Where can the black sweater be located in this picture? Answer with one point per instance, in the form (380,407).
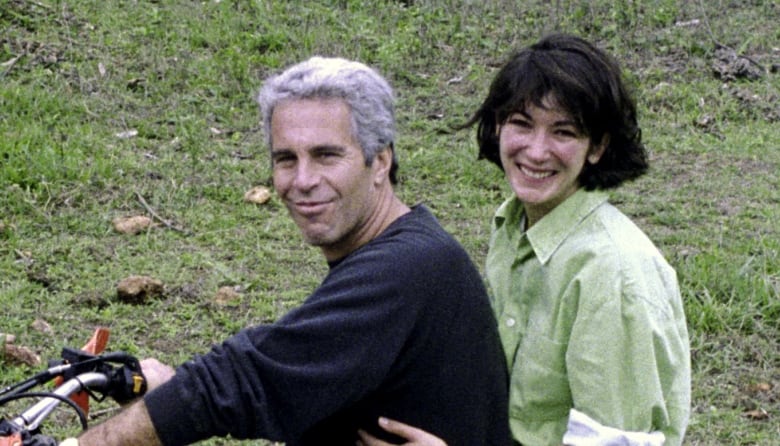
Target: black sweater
(401,328)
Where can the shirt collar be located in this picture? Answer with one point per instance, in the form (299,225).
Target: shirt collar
(554,228)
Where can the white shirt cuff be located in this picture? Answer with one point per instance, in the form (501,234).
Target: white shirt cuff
(583,430)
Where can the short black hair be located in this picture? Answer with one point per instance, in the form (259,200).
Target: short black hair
(587,83)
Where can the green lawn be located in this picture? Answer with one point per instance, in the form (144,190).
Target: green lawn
(119,108)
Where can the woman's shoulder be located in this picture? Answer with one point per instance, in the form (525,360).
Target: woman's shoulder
(611,231)
(609,243)
(621,251)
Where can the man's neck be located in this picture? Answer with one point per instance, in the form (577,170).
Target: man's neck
(387,210)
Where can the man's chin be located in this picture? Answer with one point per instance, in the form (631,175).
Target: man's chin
(317,238)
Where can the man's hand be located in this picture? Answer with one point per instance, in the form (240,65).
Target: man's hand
(156,373)
(413,436)
(132,426)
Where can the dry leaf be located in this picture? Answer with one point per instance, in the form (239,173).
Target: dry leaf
(127,134)
(687,23)
(226,295)
(7,338)
(139,289)
(135,83)
(760,387)
(257,195)
(132,225)
(42,326)
(22,255)
(101,69)
(758,414)
(21,355)
(704,121)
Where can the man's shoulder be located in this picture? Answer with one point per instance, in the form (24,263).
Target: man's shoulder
(415,237)
(414,251)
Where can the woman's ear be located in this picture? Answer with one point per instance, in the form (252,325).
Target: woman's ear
(597,150)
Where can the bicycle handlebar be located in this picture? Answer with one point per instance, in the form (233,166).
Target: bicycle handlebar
(34,416)
(79,375)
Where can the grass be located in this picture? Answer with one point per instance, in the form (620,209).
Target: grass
(78,75)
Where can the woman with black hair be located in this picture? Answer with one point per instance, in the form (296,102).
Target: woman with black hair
(589,311)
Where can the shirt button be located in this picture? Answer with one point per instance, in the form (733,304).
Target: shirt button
(510,322)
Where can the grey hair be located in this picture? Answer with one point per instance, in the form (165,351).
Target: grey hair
(368,95)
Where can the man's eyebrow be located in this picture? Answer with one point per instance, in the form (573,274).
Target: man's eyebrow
(279,151)
(328,147)
(317,148)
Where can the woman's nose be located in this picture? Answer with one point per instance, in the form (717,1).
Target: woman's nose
(537,146)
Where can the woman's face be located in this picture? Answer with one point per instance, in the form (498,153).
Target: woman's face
(543,151)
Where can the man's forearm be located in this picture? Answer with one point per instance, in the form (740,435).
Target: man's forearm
(131,427)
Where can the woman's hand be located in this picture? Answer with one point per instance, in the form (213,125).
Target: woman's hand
(412,435)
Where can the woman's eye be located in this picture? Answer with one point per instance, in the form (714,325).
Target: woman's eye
(569,133)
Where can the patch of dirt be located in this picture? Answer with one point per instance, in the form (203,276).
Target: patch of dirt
(728,66)
(92,299)
(700,170)
(21,51)
(187,292)
(752,381)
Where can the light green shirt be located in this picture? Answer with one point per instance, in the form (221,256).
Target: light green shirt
(590,317)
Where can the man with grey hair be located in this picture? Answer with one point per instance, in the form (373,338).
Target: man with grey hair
(400,326)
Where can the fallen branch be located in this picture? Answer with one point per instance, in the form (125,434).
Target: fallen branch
(154,214)
(99,413)
(39,4)
(719,44)
(9,64)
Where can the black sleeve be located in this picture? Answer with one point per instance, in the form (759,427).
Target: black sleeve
(276,381)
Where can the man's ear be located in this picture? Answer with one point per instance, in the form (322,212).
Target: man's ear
(597,150)
(383,161)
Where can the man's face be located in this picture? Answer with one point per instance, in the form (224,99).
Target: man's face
(320,173)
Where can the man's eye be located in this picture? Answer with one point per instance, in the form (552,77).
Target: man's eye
(328,154)
(282,159)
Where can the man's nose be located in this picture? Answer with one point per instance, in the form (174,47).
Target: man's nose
(306,176)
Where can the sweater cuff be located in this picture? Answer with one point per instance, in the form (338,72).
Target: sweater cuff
(172,416)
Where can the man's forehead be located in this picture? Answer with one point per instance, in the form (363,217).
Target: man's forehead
(323,101)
